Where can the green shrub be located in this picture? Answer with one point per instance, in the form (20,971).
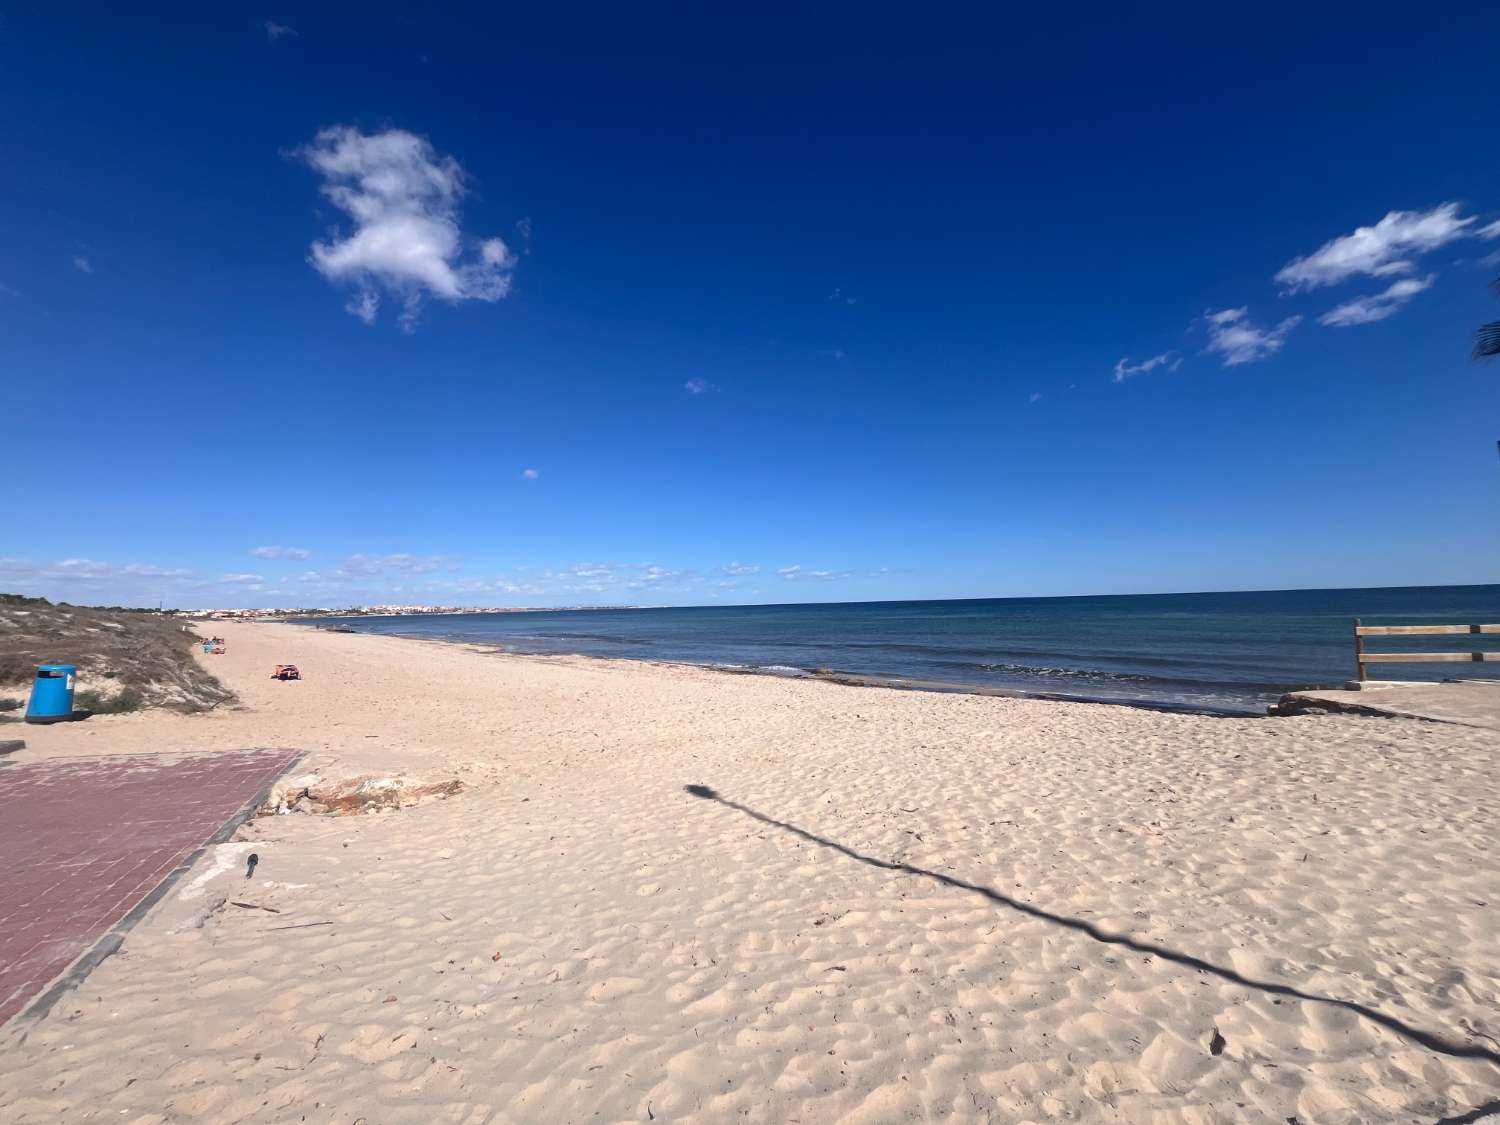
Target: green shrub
(127,701)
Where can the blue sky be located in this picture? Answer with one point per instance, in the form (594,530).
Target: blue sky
(671,305)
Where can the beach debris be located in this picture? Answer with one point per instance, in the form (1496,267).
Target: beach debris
(11,745)
(1217,1043)
(390,999)
(495,956)
(255,906)
(250,865)
(298,926)
(350,796)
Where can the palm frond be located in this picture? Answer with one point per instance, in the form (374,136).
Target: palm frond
(1487,340)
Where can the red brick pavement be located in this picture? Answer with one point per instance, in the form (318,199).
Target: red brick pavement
(84,841)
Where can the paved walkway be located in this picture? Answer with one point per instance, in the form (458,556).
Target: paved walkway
(1469,703)
(87,845)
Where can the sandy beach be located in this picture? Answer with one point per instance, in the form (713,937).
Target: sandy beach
(671,894)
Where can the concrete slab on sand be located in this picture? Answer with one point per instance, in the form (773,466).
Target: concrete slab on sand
(90,844)
(1469,703)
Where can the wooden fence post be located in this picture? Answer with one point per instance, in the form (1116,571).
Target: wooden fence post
(1359,653)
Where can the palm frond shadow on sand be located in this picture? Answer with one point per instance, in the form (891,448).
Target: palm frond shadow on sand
(1427,1039)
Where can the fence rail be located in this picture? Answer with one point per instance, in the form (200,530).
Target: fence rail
(1362,658)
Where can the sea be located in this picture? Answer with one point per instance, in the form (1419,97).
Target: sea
(1224,653)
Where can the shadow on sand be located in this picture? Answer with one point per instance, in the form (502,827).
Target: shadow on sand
(1187,960)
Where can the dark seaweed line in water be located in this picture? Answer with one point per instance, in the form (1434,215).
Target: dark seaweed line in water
(984,657)
(1128,678)
(1170,706)
(993,660)
(1019,649)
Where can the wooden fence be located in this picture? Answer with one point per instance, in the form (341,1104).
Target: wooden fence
(1362,658)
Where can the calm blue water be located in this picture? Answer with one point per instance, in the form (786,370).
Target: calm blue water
(1235,651)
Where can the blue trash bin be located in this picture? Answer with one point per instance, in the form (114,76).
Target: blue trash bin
(52,694)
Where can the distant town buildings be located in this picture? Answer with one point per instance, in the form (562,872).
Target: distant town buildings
(360,611)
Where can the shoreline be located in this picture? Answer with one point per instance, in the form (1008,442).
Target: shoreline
(847,679)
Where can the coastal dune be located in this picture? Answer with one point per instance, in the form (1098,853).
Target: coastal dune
(667,893)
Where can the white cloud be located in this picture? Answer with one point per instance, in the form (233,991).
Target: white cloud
(696,386)
(279,552)
(146,570)
(828,575)
(651,576)
(1125,369)
(531,474)
(590,570)
(82,264)
(364,566)
(1378,306)
(1379,251)
(1238,341)
(404,199)
(364,304)
(83,568)
(275,31)
(242,579)
(790,572)
(94,582)
(1491,231)
(1036,396)
(90,569)
(740,568)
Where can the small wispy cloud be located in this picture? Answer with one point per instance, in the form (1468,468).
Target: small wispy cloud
(1232,335)
(834,353)
(242,579)
(275,31)
(696,386)
(82,264)
(404,197)
(650,576)
(1386,248)
(795,571)
(1124,369)
(1036,396)
(367,565)
(94,568)
(531,474)
(89,570)
(739,568)
(1378,306)
(277,551)
(1490,231)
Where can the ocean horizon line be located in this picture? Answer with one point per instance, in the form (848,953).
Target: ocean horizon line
(625,607)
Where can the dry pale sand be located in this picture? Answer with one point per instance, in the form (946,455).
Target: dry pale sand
(902,907)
